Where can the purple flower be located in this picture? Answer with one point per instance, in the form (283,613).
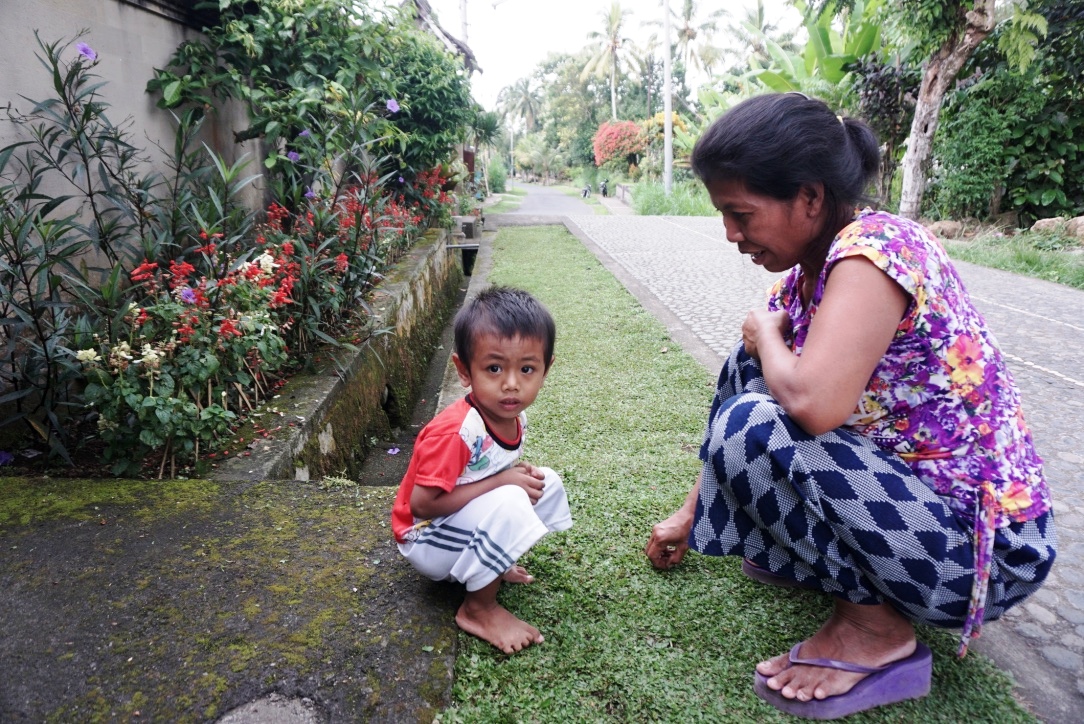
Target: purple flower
(309,193)
(188,295)
(304,134)
(86,51)
(293,156)
(393,106)
(393,451)
(6,458)
(402,180)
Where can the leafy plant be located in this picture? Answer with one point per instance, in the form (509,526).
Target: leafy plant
(63,249)
(620,141)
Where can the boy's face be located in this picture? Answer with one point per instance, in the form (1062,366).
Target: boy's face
(505,375)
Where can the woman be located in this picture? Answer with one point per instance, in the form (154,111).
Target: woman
(866,437)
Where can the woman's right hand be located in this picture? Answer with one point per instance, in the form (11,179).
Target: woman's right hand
(669,541)
(759,323)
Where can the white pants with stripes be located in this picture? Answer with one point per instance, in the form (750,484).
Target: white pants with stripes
(485,538)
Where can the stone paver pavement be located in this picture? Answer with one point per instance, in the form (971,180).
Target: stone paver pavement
(685,273)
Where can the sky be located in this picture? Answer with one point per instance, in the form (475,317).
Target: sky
(510,37)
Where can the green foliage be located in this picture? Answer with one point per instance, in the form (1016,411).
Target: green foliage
(74,206)
(434,92)
(572,107)
(1012,141)
(822,67)
(169,352)
(688,198)
(1052,256)
(970,147)
(1021,38)
(332,65)
(285,59)
(498,177)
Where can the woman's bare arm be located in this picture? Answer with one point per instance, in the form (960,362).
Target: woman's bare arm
(854,325)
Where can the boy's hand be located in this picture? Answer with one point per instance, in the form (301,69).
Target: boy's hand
(531,470)
(527,477)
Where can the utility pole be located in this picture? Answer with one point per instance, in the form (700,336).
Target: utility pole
(463,15)
(667,105)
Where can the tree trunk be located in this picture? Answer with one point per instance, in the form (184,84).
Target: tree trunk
(613,89)
(940,73)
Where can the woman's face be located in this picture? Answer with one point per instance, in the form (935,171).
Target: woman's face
(775,234)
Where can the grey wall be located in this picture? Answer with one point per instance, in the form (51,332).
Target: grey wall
(131,39)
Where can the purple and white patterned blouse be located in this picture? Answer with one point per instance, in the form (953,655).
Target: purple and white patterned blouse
(942,397)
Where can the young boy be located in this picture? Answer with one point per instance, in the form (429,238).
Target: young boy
(467,508)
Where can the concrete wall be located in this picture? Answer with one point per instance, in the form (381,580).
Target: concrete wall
(131,39)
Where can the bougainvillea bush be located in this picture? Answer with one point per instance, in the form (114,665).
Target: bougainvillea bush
(619,141)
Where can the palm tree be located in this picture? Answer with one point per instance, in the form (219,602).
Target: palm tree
(692,37)
(611,51)
(521,100)
(749,35)
(485,132)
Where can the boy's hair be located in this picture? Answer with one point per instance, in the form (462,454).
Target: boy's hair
(505,312)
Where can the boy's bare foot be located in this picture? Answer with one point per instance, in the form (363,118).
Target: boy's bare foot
(867,635)
(518,574)
(494,623)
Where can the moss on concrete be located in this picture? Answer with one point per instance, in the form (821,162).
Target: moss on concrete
(182,609)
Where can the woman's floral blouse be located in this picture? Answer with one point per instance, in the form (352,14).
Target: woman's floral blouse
(942,397)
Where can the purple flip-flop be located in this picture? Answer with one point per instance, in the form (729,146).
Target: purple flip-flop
(907,678)
(763,575)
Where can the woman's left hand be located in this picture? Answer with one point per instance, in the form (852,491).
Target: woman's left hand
(759,323)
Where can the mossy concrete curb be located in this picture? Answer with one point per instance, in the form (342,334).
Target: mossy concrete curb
(327,420)
(188,600)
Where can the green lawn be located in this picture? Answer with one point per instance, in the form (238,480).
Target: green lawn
(509,201)
(620,418)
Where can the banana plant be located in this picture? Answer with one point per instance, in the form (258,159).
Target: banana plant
(832,46)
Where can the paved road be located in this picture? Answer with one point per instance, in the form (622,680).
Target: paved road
(685,273)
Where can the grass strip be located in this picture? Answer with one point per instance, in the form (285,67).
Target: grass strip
(509,202)
(1024,254)
(621,419)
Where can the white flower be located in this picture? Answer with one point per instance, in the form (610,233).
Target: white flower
(266,262)
(88,355)
(151,356)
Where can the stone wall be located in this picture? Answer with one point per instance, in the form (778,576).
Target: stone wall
(327,418)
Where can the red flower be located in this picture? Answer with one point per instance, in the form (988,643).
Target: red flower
(288,249)
(228,328)
(179,272)
(144,271)
(280,298)
(341,263)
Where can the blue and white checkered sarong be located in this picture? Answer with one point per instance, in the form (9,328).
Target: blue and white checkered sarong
(836,512)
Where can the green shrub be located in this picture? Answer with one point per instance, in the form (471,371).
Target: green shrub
(688,198)
(498,177)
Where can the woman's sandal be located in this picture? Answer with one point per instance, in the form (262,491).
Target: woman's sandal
(763,575)
(908,678)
